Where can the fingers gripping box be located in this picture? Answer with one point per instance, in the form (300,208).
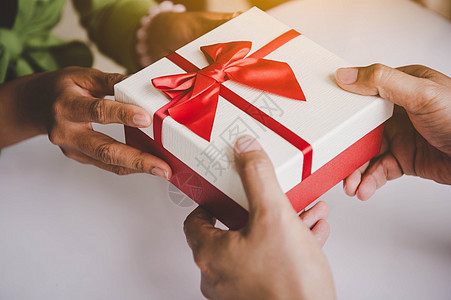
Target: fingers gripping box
(255,76)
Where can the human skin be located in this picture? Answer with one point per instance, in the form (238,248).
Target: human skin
(64,104)
(170,31)
(417,139)
(275,256)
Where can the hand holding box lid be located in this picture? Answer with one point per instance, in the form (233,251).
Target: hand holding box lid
(334,132)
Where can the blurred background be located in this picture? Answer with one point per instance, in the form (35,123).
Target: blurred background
(69,231)
(70,28)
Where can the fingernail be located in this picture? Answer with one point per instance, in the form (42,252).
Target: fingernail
(160,173)
(246,143)
(347,75)
(142,120)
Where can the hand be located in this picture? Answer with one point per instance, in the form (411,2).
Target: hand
(170,31)
(63,104)
(417,140)
(194,5)
(275,256)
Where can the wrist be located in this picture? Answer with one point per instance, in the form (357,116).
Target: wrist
(16,118)
(143,57)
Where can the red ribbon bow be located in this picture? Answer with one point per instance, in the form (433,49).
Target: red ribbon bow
(195,95)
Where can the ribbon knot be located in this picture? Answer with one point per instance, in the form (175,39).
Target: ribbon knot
(215,71)
(195,95)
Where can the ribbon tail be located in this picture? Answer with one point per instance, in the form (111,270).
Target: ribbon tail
(198,114)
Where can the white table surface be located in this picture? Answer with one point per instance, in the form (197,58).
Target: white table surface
(69,231)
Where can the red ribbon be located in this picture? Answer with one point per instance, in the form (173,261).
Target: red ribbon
(194,96)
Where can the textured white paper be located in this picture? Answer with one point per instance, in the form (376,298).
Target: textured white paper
(330,120)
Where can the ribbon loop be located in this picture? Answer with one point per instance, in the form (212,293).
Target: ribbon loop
(226,53)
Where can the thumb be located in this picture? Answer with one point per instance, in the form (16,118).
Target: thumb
(402,89)
(199,228)
(259,180)
(103,83)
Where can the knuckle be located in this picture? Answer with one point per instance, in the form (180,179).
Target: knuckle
(138,164)
(104,153)
(431,91)
(422,68)
(428,92)
(56,137)
(270,220)
(256,165)
(378,73)
(201,261)
(196,245)
(122,114)
(424,72)
(205,290)
(210,282)
(68,154)
(58,108)
(58,112)
(324,207)
(65,152)
(98,111)
(119,171)
(112,78)
(72,69)
(264,217)
(67,73)
(186,225)
(108,79)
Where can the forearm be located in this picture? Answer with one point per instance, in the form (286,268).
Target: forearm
(15,124)
(112,25)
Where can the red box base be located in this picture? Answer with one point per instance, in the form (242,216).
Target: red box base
(232,214)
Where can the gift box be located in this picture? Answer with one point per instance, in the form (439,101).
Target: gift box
(255,76)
